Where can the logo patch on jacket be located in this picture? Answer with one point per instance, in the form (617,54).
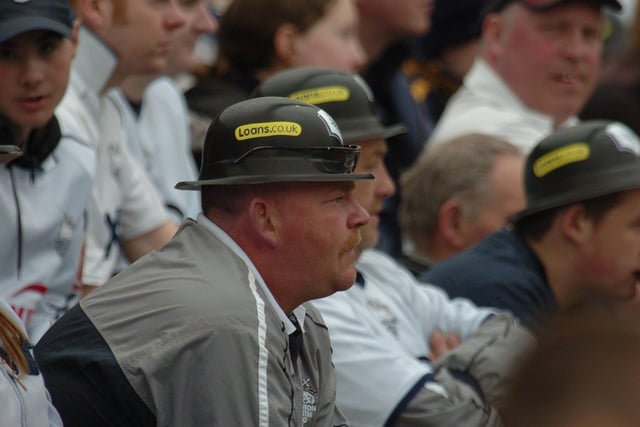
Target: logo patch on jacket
(308,401)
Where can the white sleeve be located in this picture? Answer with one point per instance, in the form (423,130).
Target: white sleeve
(142,207)
(438,311)
(430,306)
(124,203)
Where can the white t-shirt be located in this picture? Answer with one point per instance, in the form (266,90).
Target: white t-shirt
(380,334)
(125,204)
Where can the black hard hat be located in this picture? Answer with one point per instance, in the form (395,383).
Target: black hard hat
(592,159)
(345,96)
(274,139)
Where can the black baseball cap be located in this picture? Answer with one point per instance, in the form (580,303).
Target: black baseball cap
(20,16)
(543,5)
(274,139)
(592,159)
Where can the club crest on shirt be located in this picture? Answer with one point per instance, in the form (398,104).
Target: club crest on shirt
(114,163)
(65,236)
(385,315)
(309,400)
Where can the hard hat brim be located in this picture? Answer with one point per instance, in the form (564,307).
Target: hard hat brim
(266,179)
(622,179)
(352,136)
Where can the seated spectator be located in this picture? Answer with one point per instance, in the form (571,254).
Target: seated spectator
(618,91)
(45,194)
(387,330)
(386,29)
(576,240)
(24,401)
(156,115)
(213,329)
(582,372)
(537,66)
(126,215)
(443,56)
(457,194)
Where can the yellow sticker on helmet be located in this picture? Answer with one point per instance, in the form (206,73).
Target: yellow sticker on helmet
(561,157)
(320,95)
(267,129)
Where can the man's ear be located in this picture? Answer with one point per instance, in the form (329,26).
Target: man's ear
(492,27)
(265,220)
(284,43)
(74,35)
(450,223)
(576,226)
(92,13)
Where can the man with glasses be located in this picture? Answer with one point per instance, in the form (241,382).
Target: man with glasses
(214,329)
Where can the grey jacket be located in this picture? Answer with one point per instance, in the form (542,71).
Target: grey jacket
(189,337)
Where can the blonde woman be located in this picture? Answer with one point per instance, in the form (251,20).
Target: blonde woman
(23,397)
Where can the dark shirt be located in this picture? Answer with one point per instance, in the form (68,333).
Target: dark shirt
(395,104)
(502,271)
(619,101)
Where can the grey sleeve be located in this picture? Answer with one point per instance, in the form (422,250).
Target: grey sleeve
(201,375)
(470,381)
(447,402)
(489,356)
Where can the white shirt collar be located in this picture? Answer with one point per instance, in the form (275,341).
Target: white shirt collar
(488,84)
(94,61)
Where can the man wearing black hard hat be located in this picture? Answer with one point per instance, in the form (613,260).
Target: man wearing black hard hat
(578,239)
(213,329)
(382,328)
(537,65)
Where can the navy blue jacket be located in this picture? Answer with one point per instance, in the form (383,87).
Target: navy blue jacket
(502,271)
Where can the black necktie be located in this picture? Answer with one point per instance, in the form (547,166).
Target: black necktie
(295,339)
(359,279)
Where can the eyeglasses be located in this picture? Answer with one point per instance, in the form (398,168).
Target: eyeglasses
(331,159)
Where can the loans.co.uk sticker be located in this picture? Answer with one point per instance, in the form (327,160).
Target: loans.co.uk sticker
(321,95)
(267,129)
(561,157)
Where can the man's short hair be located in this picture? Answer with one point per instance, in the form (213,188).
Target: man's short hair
(456,169)
(232,199)
(537,225)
